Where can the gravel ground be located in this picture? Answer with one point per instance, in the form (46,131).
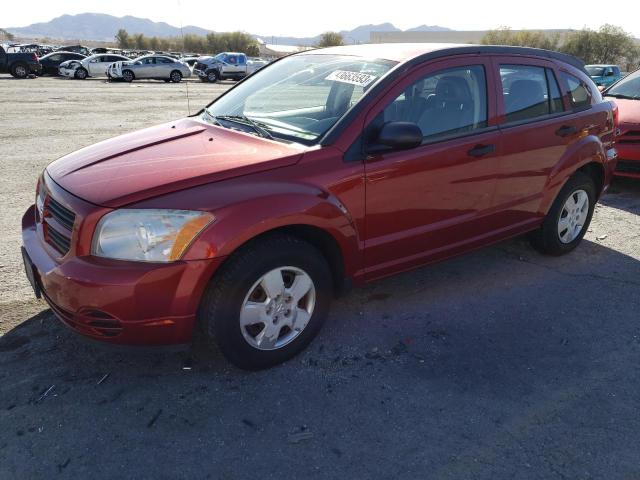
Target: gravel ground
(499,364)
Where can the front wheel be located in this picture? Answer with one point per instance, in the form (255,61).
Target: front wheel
(81,73)
(268,301)
(212,76)
(127,76)
(175,76)
(567,221)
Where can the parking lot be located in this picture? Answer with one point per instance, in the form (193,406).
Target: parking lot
(499,364)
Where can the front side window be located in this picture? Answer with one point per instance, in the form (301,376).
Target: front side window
(299,98)
(578,93)
(448,102)
(529,92)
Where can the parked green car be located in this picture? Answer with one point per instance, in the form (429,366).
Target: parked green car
(604,75)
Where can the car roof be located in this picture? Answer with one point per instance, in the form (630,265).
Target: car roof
(405,52)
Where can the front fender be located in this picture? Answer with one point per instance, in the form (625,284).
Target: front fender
(254,208)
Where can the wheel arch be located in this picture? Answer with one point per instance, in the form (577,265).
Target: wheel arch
(319,221)
(586,156)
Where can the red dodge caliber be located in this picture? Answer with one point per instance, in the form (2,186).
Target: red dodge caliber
(324,170)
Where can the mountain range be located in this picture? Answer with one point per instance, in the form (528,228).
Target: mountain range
(103,27)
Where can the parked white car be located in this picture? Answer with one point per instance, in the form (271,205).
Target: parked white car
(93,66)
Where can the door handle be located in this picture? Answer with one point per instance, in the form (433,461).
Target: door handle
(481,150)
(566,130)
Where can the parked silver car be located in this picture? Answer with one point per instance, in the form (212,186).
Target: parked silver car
(159,67)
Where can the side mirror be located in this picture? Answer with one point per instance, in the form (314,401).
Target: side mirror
(609,73)
(396,136)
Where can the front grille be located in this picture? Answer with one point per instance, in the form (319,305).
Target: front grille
(63,215)
(628,166)
(58,224)
(200,66)
(57,240)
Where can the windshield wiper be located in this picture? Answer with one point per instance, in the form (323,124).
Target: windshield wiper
(243,120)
(621,95)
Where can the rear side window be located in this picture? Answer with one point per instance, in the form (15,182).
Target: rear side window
(529,92)
(578,93)
(448,102)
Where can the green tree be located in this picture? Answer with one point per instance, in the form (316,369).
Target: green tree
(122,39)
(609,44)
(330,39)
(522,38)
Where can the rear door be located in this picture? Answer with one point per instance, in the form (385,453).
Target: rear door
(536,131)
(428,202)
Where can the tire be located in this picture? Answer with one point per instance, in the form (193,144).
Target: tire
(81,73)
(19,70)
(239,281)
(128,76)
(175,76)
(556,238)
(213,76)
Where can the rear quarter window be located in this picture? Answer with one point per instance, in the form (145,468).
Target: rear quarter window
(579,93)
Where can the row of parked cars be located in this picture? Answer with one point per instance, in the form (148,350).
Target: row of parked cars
(74,63)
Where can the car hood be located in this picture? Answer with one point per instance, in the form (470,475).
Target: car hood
(164,159)
(628,110)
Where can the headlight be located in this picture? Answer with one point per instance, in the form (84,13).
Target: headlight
(148,235)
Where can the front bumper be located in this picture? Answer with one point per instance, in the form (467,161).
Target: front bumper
(120,302)
(628,160)
(65,72)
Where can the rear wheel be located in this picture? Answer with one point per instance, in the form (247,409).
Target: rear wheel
(569,217)
(267,302)
(128,76)
(176,76)
(19,70)
(81,73)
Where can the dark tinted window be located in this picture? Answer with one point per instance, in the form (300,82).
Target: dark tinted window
(447,102)
(526,92)
(578,93)
(163,60)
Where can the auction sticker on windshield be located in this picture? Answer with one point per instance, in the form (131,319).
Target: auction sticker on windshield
(354,78)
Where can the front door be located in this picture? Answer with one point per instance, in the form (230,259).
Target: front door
(431,201)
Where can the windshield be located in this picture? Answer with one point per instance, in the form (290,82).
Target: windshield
(628,87)
(595,71)
(301,97)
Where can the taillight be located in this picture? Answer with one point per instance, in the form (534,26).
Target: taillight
(34,57)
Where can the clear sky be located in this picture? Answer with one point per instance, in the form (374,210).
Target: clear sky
(305,18)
